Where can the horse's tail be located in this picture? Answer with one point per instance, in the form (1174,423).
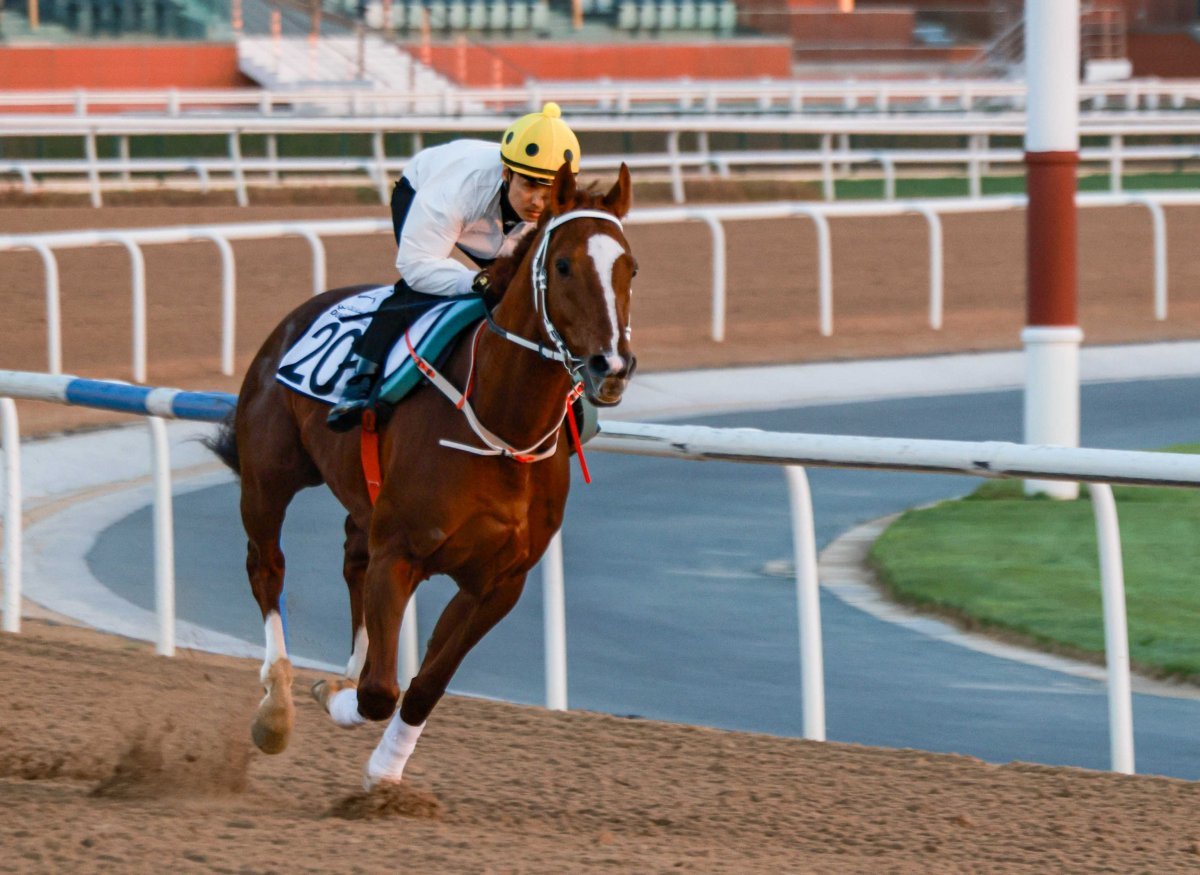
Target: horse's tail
(224,444)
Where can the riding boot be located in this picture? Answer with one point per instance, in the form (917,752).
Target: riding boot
(347,413)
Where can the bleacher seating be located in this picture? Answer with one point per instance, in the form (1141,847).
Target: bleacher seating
(517,17)
(172,19)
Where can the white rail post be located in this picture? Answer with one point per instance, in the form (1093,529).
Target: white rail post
(1159,221)
(235,158)
(1116,631)
(10,443)
(137,264)
(380,165)
(677,192)
(410,650)
(889,176)
(1116,163)
(273,158)
(53,308)
(554,616)
(318,258)
(123,147)
(808,603)
(164,539)
(936,258)
(89,146)
(228,298)
(718,274)
(827,185)
(824,267)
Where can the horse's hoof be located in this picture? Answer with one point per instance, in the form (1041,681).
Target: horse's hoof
(272,726)
(323,690)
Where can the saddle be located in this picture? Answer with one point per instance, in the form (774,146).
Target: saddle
(321,361)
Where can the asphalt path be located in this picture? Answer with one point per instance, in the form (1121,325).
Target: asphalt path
(669,613)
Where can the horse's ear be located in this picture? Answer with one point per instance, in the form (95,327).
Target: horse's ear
(620,196)
(562,190)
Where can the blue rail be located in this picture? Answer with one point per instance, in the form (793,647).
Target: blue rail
(114,395)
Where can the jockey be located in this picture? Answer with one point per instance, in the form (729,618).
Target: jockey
(465,195)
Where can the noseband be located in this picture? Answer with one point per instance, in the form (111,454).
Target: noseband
(493,444)
(541,283)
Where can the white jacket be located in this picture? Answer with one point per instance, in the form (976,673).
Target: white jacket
(457,202)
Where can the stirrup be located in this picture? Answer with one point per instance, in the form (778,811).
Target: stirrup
(347,414)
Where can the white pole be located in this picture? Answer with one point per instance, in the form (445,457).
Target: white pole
(89,145)
(164,538)
(808,601)
(137,266)
(936,258)
(677,192)
(1052,337)
(11,445)
(824,268)
(228,297)
(318,258)
(53,310)
(239,177)
(554,616)
(718,274)
(410,650)
(1159,221)
(1116,633)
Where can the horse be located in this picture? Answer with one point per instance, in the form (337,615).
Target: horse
(474,489)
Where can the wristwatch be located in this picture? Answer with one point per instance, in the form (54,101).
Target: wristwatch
(482,283)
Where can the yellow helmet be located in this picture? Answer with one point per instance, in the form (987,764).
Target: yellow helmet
(537,144)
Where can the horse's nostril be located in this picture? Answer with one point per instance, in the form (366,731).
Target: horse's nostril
(599,365)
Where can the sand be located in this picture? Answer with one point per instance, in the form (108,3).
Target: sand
(113,759)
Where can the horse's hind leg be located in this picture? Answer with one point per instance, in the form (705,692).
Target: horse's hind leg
(354,569)
(265,497)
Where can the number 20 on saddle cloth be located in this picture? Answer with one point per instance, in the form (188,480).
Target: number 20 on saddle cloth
(321,361)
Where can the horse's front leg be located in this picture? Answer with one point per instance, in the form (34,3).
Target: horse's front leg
(464,621)
(389,583)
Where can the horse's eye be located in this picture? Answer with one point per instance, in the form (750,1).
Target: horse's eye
(635,267)
(563,267)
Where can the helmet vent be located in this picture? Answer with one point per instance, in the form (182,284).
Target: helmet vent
(531,149)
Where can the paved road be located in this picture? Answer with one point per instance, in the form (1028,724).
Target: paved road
(670,617)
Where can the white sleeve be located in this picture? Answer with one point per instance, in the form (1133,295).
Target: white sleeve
(431,230)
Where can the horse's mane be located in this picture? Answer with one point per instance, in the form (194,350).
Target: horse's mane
(504,269)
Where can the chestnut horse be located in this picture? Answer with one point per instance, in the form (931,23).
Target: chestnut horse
(476,497)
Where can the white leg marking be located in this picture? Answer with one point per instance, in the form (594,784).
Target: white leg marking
(605,251)
(343,708)
(276,649)
(391,754)
(359,655)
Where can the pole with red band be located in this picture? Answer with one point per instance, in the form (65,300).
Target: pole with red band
(1052,335)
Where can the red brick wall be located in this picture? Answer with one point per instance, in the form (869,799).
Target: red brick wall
(179,65)
(1164,54)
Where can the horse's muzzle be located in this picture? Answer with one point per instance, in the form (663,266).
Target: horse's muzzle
(606,376)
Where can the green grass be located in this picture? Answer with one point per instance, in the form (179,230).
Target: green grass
(950,186)
(1029,567)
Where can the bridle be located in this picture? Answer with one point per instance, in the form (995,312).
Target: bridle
(541,283)
(493,444)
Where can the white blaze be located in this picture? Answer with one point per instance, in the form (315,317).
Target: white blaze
(605,251)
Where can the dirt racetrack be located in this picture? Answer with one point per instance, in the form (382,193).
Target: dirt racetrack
(114,760)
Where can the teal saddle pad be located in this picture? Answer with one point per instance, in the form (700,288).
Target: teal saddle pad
(441,325)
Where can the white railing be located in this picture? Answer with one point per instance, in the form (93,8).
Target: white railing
(235,171)
(1099,468)
(976,157)
(713,217)
(755,95)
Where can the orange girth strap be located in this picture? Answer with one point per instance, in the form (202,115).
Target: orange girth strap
(370,455)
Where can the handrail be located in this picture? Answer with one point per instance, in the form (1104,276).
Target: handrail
(742,96)
(714,216)
(1098,468)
